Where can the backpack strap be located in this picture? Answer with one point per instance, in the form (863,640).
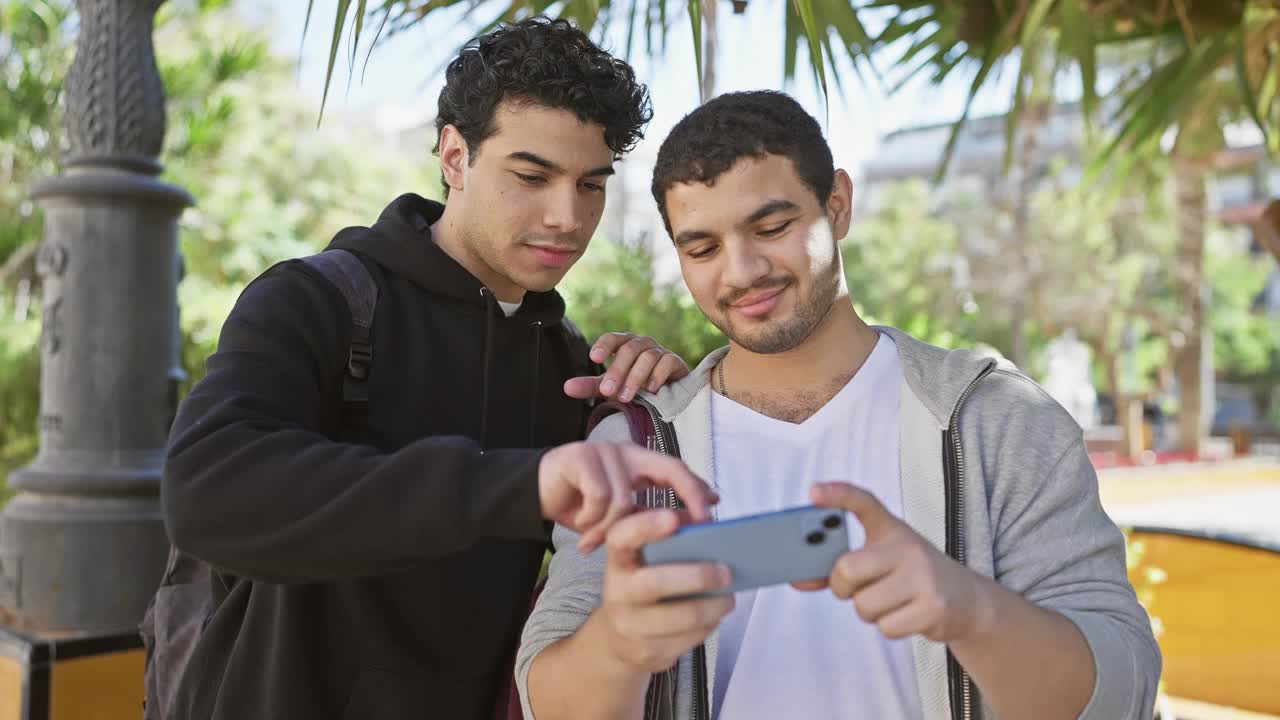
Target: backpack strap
(347,272)
(639,418)
(648,430)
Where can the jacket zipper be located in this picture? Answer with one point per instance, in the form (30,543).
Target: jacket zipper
(664,438)
(959,683)
(700,709)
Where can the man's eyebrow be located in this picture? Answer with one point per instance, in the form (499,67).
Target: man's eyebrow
(768,209)
(538,160)
(762,212)
(535,159)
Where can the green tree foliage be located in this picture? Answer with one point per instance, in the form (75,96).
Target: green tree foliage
(935,262)
(35,52)
(901,267)
(268,184)
(1246,342)
(614,288)
(241,139)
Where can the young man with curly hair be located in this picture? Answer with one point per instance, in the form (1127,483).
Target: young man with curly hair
(378,561)
(984,578)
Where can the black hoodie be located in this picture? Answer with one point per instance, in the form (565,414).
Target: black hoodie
(374,564)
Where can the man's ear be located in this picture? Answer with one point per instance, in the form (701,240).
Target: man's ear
(454,157)
(840,204)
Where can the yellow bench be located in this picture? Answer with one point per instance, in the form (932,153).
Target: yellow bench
(1216,602)
(70,678)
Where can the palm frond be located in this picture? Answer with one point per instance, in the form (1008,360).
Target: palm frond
(814,40)
(1078,40)
(1252,100)
(340,20)
(1160,102)
(1032,32)
(695,23)
(979,79)
(939,36)
(819,22)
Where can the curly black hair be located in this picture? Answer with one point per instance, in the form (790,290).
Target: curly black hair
(549,63)
(709,140)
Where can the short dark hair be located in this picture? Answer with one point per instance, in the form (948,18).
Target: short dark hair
(549,63)
(711,139)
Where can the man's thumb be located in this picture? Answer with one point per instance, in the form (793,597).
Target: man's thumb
(875,518)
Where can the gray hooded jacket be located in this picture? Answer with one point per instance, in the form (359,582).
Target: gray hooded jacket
(1030,515)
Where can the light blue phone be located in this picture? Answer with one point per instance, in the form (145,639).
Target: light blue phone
(789,545)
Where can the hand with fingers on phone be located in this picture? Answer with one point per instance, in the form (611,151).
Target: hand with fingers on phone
(590,486)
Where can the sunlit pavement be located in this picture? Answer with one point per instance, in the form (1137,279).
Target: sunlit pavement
(1234,497)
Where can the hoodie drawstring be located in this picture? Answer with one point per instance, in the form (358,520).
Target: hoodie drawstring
(489,302)
(535,385)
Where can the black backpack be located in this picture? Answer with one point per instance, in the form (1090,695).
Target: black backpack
(183,604)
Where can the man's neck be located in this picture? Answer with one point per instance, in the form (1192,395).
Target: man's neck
(447,233)
(795,384)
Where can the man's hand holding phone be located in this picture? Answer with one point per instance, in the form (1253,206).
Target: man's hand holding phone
(899,580)
(642,631)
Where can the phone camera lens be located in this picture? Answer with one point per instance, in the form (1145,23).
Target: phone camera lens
(831,522)
(816,537)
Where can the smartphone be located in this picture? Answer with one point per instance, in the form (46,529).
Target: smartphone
(800,543)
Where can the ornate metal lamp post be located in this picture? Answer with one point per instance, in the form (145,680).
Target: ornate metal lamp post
(83,545)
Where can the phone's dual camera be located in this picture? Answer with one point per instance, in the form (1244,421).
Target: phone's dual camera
(817,537)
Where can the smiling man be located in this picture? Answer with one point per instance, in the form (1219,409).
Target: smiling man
(984,579)
(377,561)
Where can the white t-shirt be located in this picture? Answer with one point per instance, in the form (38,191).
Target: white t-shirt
(509,309)
(783,653)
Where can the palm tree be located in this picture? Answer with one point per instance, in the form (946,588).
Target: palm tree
(1186,68)
(1180,68)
